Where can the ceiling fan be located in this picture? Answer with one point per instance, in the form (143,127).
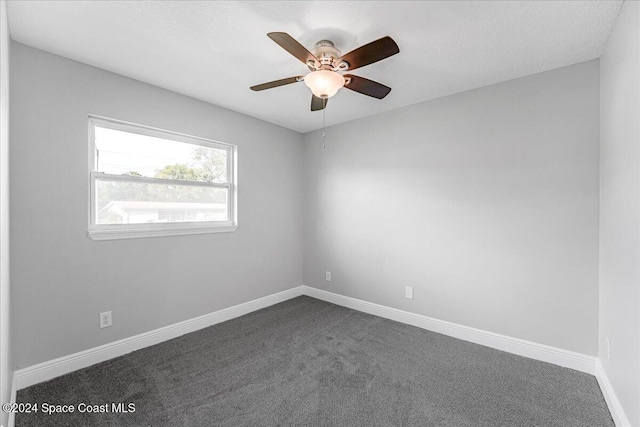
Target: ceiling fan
(326,64)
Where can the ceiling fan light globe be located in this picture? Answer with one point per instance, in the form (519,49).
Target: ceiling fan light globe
(324,83)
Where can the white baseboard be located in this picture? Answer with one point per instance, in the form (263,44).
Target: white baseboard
(545,353)
(14,391)
(617,412)
(54,368)
(51,369)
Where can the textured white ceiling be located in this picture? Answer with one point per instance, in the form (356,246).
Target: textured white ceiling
(214,51)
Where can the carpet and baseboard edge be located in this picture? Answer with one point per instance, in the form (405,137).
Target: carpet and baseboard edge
(63,365)
(615,407)
(568,359)
(557,356)
(51,369)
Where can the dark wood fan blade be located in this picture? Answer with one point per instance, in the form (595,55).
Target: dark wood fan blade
(292,46)
(277,83)
(370,53)
(366,86)
(318,103)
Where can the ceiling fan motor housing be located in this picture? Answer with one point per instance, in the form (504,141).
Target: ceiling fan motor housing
(327,54)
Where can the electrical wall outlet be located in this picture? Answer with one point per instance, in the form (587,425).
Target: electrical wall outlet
(105,319)
(327,276)
(608,347)
(408,292)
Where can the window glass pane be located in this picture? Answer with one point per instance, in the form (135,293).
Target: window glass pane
(123,202)
(125,153)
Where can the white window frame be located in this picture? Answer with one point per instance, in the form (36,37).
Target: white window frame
(128,231)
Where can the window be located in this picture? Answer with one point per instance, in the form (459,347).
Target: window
(149,182)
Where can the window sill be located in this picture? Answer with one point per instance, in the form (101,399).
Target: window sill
(140,232)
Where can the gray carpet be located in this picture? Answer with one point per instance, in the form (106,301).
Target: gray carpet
(306,362)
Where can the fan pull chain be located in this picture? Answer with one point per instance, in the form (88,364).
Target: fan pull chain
(324,121)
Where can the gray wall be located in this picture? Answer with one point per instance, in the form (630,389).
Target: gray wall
(620,209)
(62,279)
(485,202)
(6,371)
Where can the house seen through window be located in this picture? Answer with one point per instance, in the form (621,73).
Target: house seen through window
(160,182)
